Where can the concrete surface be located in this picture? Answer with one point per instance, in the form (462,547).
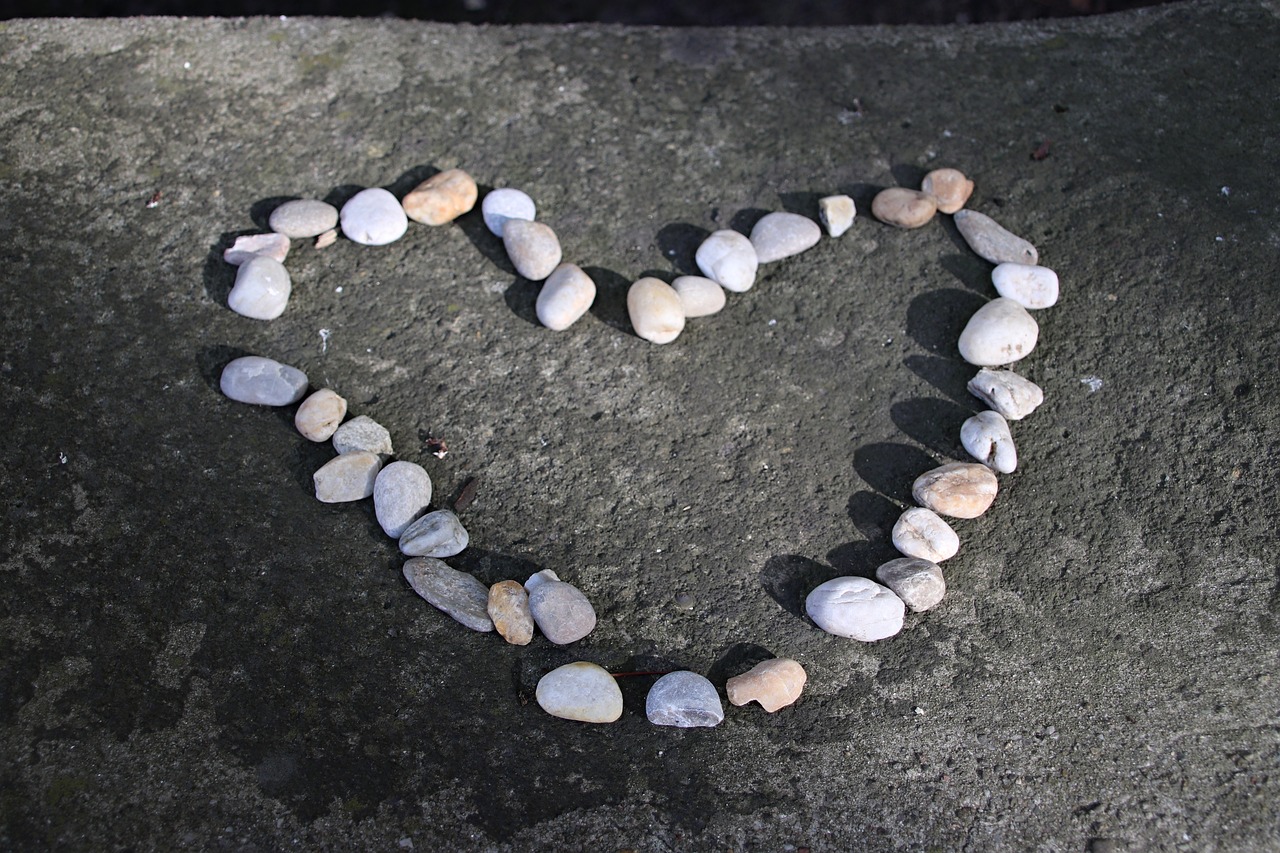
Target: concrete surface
(198,655)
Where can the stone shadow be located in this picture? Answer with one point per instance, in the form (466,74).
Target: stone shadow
(933,422)
(610,305)
(891,468)
(949,375)
(936,319)
(803,203)
(788,578)
(973,272)
(679,242)
(736,660)
(260,210)
(908,175)
(862,195)
(744,220)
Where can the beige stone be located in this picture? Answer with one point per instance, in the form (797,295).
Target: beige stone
(441,198)
(566,296)
(327,239)
(320,414)
(774,684)
(509,610)
(699,296)
(533,248)
(348,477)
(657,313)
(948,187)
(903,208)
(958,490)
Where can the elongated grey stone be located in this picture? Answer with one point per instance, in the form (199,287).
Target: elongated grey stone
(566,296)
(993,241)
(919,583)
(303,218)
(401,494)
(780,235)
(533,248)
(456,593)
(262,381)
(436,534)
(683,699)
(563,613)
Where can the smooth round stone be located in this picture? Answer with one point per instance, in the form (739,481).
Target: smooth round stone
(538,578)
(400,495)
(1029,285)
(1000,332)
(837,213)
(917,582)
(441,198)
(436,534)
(262,381)
(780,235)
(250,246)
(566,296)
(656,312)
(922,533)
(508,609)
(775,684)
(699,297)
(1006,392)
(303,218)
(903,208)
(728,258)
(957,489)
(319,415)
(857,608)
(505,204)
(533,248)
(685,700)
(992,241)
(349,477)
(948,187)
(456,593)
(362,433)
(987,438)
(373,217)
(562,612)
(262,288)
(580,691)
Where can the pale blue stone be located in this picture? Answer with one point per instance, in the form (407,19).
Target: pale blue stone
(685,700)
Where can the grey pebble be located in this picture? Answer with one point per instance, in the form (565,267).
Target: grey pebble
(262,288)
(362,433)
(349,477)
(456,593)
(683,699)
(563,613)
(919,583)
(538,578)
(436,534)
(1006,392)
(533,248)
(780,235)
(993,241)
(303,218)
(262,381)
(503,204)
(401,494)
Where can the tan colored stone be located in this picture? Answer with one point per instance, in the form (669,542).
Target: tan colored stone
(948,187)
(903,208)
(774,684)
(319,415)
(958,490)
(509,610)
(327,239)
(441,198)
(656,312)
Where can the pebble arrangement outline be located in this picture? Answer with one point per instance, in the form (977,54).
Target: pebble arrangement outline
(1000,333)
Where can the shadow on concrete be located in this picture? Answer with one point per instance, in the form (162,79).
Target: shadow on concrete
(789,578)
(936,319)
(610,305)
(679,242)
(973,272)
(933,422)
(891,468)
(218,275)
(736,660)
(949,375)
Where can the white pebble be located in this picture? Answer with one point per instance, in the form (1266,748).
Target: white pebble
(999,332)
(436,534)
(262,381)
(837,213)
(362,433)
(562,612)
(400,495)
(373,217)
(780,235)
(699,297)
(685,700)
(565,297)
(987,438)
(1029,285)
(503,204)
(580,691)
(319,415)
(1006,392)
(262,288)
(729,258)
(656,312)
(919,583)
(922,533)
(992,241)
(857,608)
(303,218)
(349,477)
(252,246)
(533,248)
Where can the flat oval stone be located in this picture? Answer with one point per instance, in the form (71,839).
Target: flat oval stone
(456,593)
(987,438)
(1029,285)
(441,198)
(775,684)
(362,433)
(1006,392)
(780,235)
(262,288)
(561,611)
(400,495)
(533,248)
(957,489)
(999,332)
(922,533)
(349,477)
(729,258)
(508,609)
(919,583)
(436,534)
(857,608)
(319,415)
(699,297)
(903,208)
(992,241)
(566,296)
(948,187)
(685,700)
(837,213)
(538,578)
(580,691)
(262,381)
(656,312)
(250,246)
(373,217)
(503,204)
(303,218)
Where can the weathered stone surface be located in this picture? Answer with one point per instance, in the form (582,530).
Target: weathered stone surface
(837,213)
(262,381)
(948,187)
(373,217)
(685,700)
(401,494)
(250,246)
(566,295)
(1000,332)
(456,593)
(533,248)
(699,296)
(1006,392)
(903,208)
(729,258)
(562,612)
(320,414)
(857,608)
(303,218)
(992,241)
(780,235)
(508,608)
(775,684)
(987,438)
(580,691)
(441,198)
(958,489)
(362,433)
(436,534)
(919,583)
(922,533)
(657,315)
(349,477)
(262,288)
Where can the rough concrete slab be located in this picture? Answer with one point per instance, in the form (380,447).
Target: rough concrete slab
(199,655)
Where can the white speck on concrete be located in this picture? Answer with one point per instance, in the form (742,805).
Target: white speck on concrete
(325,334)
(1093,383)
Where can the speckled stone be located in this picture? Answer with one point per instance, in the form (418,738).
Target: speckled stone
(1000,332)
(373,217)
(509,610)
(919,583)
(580,691)
(857,608)
(262,288)
(775,684)
(566,295)
(400,495)
(685,700)
(362,433)
(780,235)
(562,612)
(922,533)
(436,534)
(262,381)
(441,198)
(456,593)
(656,312)
(320,414)
(303,218)
(349,477)
(729,258)
(957,490)
(1006,392)
(503,204)
(533,248)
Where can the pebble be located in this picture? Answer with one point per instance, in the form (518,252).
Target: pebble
(657,313)
(362,433)
(533,248)
(441,198)
(837,213)
(274,246)
(780,235)
(685,700)
(991,241)
(917,582)
(538,578)
(729,258)
(903,208)
(303,218)
(508,609)
(987,437)
(562,612)
(1000,332)
(400,495)
(699,297)
(262,381)
(948,187)
(505,204)
(922,533)
(580,691)
(566,296)
(319,415)
(327,239)
(436,534)
(957,489)
(456,593)
(349,477)
(1006,392)
(1029,285)
(262,288)
(373,217)
(775,684)
(857,608)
